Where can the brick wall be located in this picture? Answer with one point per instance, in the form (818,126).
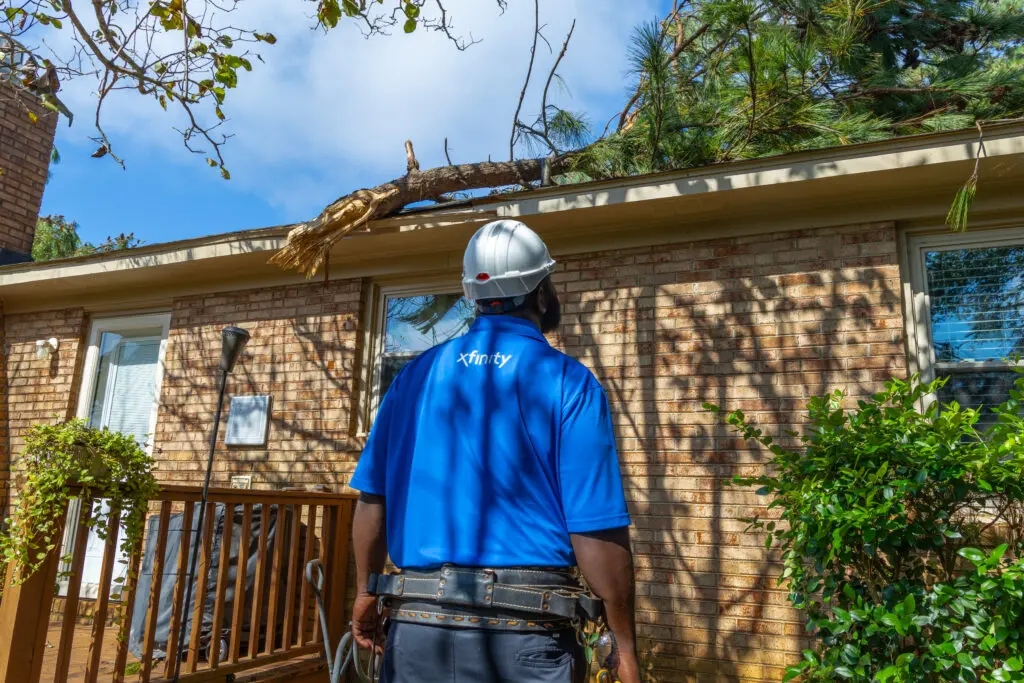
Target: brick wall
(24,162)
(757,323)
(302,352)
(36,390)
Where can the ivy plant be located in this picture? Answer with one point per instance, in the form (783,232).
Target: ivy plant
(71,459)
(889,519)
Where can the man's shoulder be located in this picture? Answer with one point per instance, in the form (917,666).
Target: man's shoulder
(576,377)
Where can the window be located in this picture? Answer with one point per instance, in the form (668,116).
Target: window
(969,296)
(121,391)
(411,323)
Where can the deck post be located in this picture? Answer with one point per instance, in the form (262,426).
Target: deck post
(25,617)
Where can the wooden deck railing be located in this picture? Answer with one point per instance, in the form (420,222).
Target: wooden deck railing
(251,619)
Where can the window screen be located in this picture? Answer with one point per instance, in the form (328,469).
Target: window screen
(976,310)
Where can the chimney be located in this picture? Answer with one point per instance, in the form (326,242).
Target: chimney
(24,163)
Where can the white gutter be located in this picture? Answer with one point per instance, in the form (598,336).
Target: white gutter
(917,151)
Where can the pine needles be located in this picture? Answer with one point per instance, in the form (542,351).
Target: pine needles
(956,219)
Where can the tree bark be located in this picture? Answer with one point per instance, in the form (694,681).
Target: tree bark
(309,243)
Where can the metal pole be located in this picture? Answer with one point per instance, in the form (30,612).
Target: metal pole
(199,528)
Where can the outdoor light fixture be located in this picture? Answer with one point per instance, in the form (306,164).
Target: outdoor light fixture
(44,347)
(234,340)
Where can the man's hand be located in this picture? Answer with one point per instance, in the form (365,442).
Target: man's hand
(627,668)
(606,561)
(365,622)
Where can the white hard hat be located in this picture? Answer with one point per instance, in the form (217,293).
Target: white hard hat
(504,259)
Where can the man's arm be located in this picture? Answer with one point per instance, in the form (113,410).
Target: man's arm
(370,546)
(606,560)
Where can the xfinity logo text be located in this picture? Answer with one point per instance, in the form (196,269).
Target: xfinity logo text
(475,358)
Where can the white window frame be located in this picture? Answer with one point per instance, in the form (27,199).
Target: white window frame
(919,327)
(92,359)
(377,337)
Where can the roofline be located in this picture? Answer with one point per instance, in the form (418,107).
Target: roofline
(892,154)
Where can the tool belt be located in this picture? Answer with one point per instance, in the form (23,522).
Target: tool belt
(520,599)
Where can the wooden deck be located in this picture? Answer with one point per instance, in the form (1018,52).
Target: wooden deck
(80,654)
(308,669)
(293,528)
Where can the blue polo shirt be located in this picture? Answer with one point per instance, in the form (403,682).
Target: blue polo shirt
(490,450)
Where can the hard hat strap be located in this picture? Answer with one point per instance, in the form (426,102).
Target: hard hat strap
(500,306)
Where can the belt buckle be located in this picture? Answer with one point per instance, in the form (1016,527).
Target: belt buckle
(465,588)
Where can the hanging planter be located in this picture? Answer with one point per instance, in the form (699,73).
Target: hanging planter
(70,460)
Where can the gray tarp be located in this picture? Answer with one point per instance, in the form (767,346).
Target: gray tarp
(136,633)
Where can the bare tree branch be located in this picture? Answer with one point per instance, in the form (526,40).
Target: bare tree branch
(551,76)
(526,83)
(412,166)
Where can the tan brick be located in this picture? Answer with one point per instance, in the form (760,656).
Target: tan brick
(24,160)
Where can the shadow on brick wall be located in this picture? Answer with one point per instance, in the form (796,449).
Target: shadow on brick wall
(759,325)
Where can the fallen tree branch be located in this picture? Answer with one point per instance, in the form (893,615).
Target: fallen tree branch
(309,243)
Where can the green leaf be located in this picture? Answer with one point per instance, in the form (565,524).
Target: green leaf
(845,672)
(224,173)
(972,554)
(409,26)
(886,673)
(329,13)
(1014,664)
(973,633)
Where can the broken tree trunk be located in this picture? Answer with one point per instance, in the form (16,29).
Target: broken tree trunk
(309,243)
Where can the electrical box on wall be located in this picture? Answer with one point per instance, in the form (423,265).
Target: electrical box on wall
(241,481)
(248,421)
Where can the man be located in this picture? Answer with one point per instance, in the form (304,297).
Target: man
(490,474)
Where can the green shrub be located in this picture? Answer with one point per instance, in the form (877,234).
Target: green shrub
(882,511)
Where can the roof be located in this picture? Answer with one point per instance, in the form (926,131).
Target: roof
(675,205)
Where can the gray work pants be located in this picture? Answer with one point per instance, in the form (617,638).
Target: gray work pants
(418,653)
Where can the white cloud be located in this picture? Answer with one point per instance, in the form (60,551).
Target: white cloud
(329,113)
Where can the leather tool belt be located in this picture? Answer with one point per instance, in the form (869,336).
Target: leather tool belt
(521,599)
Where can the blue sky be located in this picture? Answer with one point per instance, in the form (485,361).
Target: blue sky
(328,114)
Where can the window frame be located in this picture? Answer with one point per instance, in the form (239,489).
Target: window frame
(920,340)
(97,327)
(87,387)
(374,348)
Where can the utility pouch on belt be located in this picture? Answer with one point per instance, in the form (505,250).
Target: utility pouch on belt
(519,599)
